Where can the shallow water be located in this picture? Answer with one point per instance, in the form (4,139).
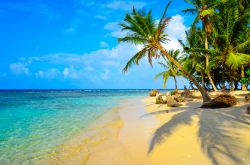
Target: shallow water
(35,123)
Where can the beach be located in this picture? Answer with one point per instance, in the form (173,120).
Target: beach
(122,82)
(142,132)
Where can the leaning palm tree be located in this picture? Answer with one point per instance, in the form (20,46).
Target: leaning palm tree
(171,69)
(194,59)
(204,9)
(143,30)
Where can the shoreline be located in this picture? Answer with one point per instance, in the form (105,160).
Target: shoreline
(141,132)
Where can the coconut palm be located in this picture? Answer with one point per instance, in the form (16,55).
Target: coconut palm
(171,69)
(231,37)
(203,9)
(194,59)
(143,30)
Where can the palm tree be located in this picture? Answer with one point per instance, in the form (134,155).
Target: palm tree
(143,30)
(203,9)
(171,70)
(231,37)
(194,59)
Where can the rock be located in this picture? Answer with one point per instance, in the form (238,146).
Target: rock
(179,99)
(187,94)
(189,99)
(171,102)
(167,93)
(221,101)
(247,98)
(248,110)
(159,100)
(153,93)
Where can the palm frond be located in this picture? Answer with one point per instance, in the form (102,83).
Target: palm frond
(243,45)
(189,10)
(132,38)
(206,12)
(135,59)
(235,60)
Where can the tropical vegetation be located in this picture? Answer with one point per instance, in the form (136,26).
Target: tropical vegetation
(170,69)
(215,53)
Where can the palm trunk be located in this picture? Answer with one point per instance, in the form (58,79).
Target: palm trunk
(235,85)
(175,81)
(206,97)
(223,77)
(207,62)
(244,88)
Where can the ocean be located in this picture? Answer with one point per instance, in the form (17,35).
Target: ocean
(34,123)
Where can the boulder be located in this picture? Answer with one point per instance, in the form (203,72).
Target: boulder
(179,99)
(159,100)
(247,98)
(189,99)
(153,93)
(171,102)
(187,94)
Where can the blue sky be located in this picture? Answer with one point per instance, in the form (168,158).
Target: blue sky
(73,44)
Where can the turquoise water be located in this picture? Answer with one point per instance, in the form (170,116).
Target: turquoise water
(35,123)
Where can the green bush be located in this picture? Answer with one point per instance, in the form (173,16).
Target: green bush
(244,80)
(172,93)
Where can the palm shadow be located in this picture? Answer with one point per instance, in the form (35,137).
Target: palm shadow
(216,139)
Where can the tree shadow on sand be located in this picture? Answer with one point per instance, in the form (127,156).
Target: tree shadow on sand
(216,139)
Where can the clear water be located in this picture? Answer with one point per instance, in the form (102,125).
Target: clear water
(35,123)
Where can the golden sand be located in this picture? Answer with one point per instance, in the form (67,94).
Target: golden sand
(143,133)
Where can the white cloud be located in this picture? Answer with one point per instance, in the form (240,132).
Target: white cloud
(71,72)
(50,73)
(104,44)
(66,72)
(40,73)
(115,29)
(20,68)
(111,26)
(76,65)
(176,31)
(176,27)
(118,33)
